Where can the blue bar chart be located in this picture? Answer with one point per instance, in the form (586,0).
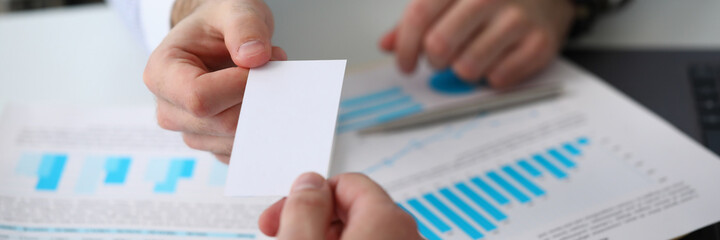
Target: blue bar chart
(550,167)
(424,230)
(529,168)
(519,178)
(98,174)
(475,206)
(47,168)
(166,173)
(50,171)
(117,170)
(391,103)
(107,171)
(375,108)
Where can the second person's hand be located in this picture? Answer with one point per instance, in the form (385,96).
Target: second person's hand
(199,70)
(503,40)
(347,206)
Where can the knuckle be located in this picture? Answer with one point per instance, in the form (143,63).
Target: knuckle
(515,16)
(169,52)
(148,76)
(195,104)
(191,141)
(465,71)
(150,73)
(165,122)
(436,44)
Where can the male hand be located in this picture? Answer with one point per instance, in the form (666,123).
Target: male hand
(347,206)
(198,72)
(505,41)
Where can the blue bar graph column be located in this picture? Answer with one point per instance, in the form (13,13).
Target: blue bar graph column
(428,215)
(474,215)
(494,194)
(445,210)
(375,108)
(117,169)
(50,171)
(527,184)
(469,209)
(484,204)
(179,168)
(561,158)
(424,230)
(365,111)
(517,194)
(572,149)
(529,168)
(371,98)
(549,167)
(583,141)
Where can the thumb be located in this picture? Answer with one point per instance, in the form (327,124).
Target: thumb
(308,210)
(248,30)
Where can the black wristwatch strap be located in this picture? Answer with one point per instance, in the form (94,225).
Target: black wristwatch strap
(587,12)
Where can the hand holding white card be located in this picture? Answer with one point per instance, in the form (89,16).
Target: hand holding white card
(286,126)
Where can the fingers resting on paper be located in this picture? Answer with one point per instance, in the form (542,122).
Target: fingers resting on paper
(503,41)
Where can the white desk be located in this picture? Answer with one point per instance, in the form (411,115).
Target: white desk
(85,56)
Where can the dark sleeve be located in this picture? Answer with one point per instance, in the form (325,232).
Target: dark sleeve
(588,11)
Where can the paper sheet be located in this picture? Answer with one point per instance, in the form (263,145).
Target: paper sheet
(286,126)
(619,172)
(588,164)
(111,173)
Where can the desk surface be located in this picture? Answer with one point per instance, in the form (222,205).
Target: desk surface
(86,56)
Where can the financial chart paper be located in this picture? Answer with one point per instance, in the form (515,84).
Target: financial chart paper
(111,173)
(588,164)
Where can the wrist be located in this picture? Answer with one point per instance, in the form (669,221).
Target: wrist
(181,9)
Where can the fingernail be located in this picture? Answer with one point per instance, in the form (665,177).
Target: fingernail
(308,181)
(251,48)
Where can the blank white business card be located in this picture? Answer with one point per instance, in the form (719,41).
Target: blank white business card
(286,126)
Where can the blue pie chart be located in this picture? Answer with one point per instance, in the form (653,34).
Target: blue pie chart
(447,82)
